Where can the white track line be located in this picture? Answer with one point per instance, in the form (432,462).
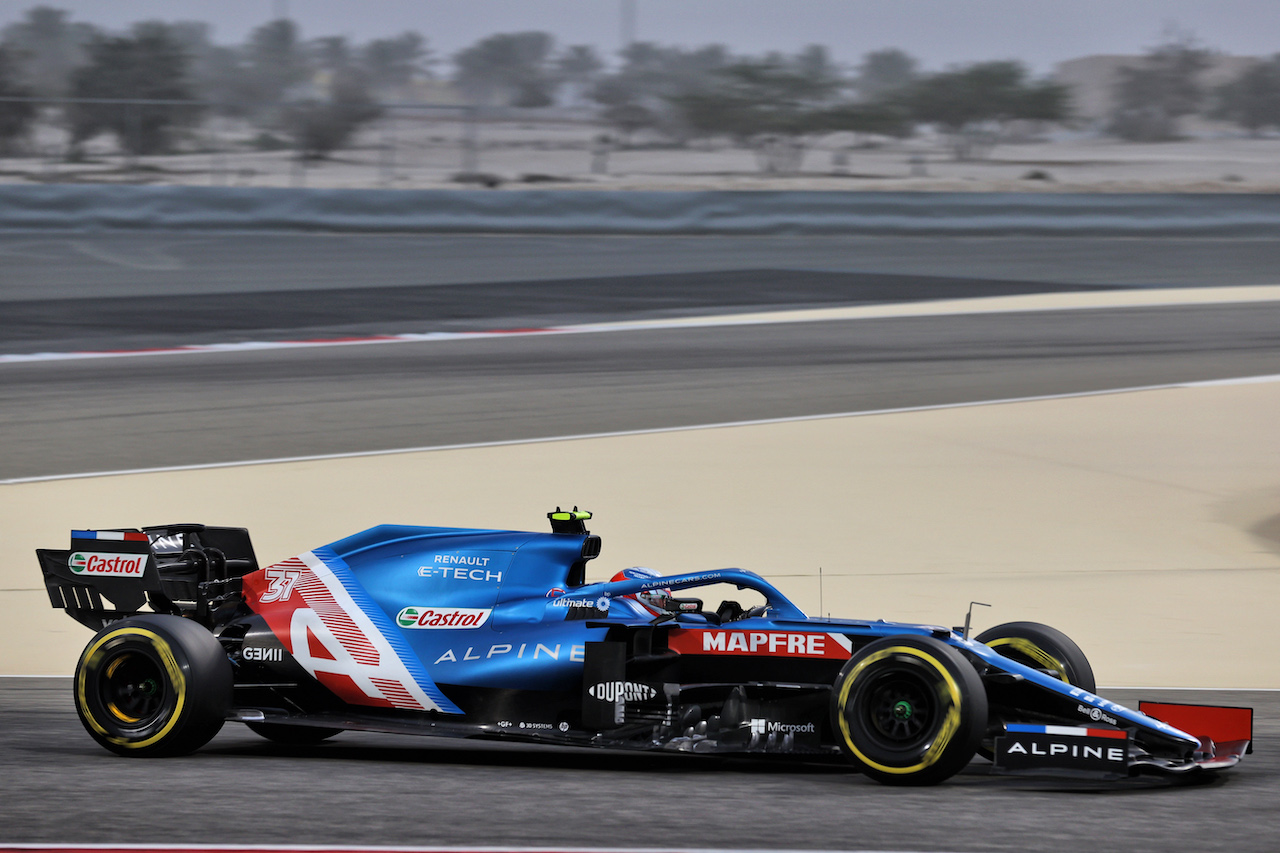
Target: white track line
(1244,380)
(1027,303)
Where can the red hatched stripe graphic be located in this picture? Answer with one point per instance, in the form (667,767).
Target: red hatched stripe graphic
(314,595)
(340,625)
(396,693)
(325,631)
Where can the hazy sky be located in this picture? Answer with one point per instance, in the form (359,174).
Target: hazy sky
(939,32)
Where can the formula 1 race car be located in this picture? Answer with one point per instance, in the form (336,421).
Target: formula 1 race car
(496,634)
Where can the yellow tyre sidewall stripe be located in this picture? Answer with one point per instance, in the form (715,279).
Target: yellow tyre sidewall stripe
(1034,652)
(176,678)
(950,725)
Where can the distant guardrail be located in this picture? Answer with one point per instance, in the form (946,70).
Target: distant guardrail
(80,207)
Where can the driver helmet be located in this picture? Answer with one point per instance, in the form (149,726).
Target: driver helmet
(653,601)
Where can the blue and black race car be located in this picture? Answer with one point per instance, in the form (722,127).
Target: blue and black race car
(497,634)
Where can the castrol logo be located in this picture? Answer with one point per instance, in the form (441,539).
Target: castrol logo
(107,565)
(442,617)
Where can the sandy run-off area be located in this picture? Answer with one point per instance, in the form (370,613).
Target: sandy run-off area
(1144,524)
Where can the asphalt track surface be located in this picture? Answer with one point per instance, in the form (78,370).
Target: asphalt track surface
(361,789)
(122,414)
(131,291)
(68,417)
(78,265)
(115,321)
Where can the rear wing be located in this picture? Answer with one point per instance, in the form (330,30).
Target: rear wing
(184,569)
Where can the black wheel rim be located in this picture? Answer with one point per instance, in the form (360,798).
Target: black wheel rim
(133,689)
(898,709)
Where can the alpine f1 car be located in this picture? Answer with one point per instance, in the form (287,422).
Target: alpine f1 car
(497,634)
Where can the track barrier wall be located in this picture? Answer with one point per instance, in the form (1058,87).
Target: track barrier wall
(85,207)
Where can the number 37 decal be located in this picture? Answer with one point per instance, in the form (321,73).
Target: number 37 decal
(280,584)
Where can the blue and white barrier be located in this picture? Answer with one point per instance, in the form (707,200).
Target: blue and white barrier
(81,207)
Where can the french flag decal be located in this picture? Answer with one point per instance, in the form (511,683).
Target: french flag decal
(1066,731)
(110,535)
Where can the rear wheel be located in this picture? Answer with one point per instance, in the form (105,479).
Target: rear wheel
(295,735)
(153,685)
(909,710)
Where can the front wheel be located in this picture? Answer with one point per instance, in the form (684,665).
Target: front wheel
(153,685)
(1039,647)
(909,710)
(1044,648)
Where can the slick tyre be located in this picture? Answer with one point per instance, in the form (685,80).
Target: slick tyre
(292,735)
(909,710)
(1041,647)
(153,685)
